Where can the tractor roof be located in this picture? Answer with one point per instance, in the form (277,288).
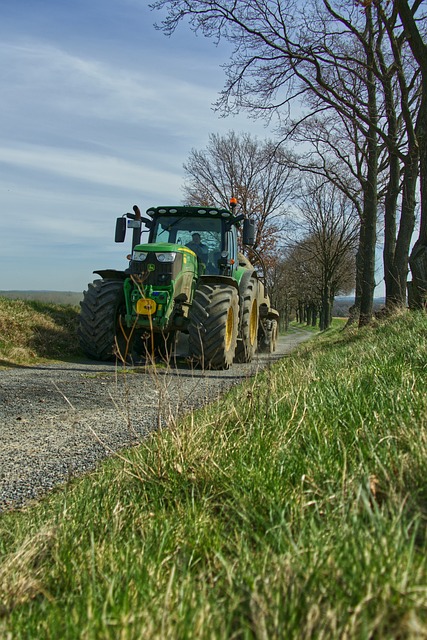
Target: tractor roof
(189,211)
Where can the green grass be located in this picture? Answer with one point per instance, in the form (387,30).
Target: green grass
(294,508)
(32,331)
(337,323)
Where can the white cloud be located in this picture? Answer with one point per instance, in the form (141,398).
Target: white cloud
(43,77)
(86,166)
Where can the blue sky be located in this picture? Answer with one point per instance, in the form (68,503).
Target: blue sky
(98,112)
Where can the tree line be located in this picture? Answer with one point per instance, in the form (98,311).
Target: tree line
(346,84)
(307,229)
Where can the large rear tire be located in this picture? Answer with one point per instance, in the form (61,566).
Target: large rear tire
(213,325)
(101,333)
(248,334)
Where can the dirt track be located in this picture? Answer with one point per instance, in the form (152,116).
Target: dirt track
(58,421)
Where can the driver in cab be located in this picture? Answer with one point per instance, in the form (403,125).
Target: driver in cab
(200,249)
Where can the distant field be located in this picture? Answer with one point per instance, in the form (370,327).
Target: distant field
(55,297)
(341,304)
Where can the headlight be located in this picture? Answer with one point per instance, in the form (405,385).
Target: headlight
(166,257)
(139,256)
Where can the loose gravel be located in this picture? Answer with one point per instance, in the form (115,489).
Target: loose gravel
(59,421)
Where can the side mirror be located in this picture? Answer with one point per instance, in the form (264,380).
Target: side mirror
(147,222)
(248,235)
(120,230)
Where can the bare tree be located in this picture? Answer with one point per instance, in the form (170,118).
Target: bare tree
(255,172)
(388,82)
(321,53)
(321,265)
(398,85)
(336,152)
(413,20)
(331,225)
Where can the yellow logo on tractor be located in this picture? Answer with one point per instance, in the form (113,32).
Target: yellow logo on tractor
(145,307)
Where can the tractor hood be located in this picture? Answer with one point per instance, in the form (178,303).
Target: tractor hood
(160,248)
(163,261)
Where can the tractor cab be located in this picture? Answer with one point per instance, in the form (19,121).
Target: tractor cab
(203,236)
(210,233)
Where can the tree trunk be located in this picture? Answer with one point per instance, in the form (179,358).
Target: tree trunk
(370,237)
(325,313)
(314,316)
(417,289)
(390,207)
(285,318)
(370,191)
(354,310)
(418,258)
(331,308)
(400,267)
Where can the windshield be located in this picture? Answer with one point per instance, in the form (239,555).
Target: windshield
(201,235)
(179,230)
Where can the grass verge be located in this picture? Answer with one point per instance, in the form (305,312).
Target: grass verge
(31,331)
(337,323)
(295,508)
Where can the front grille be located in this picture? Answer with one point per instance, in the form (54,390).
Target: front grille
(162,273)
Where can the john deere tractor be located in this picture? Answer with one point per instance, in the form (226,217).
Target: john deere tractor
(189,277)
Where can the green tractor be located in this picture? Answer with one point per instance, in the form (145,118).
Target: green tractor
(190,278)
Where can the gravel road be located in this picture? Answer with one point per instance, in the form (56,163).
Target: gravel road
(60,420)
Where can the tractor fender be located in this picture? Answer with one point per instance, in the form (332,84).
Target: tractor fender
(112,274)
(268,313)
(250,273)
(220,280)
(273,314)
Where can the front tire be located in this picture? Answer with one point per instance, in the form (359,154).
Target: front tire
(101,333)
(213,325)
